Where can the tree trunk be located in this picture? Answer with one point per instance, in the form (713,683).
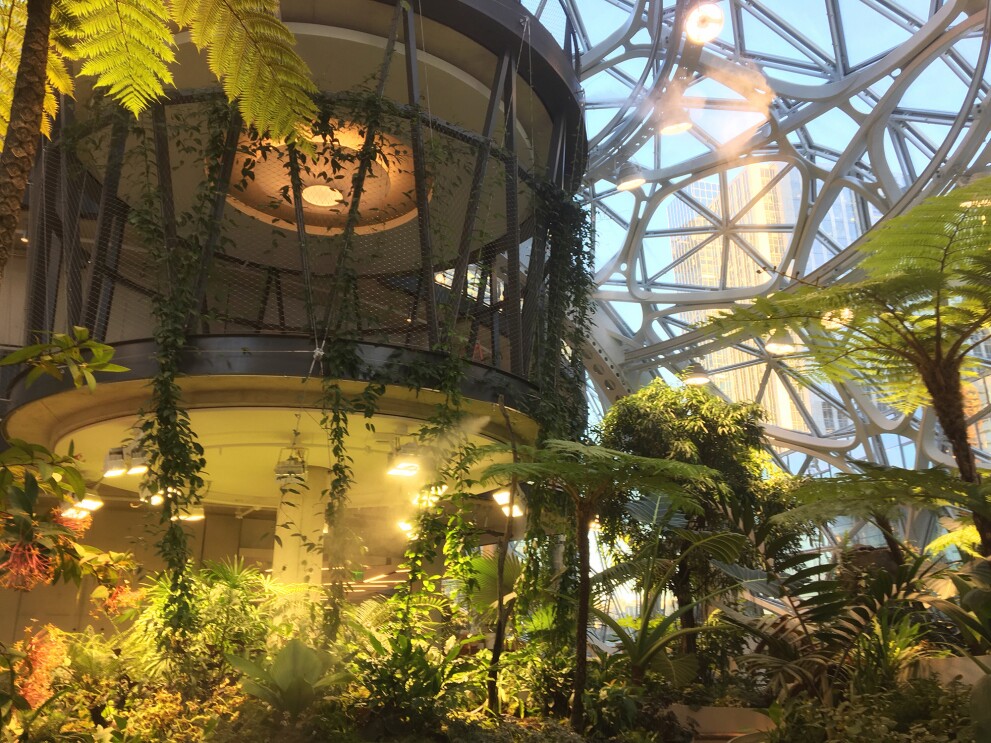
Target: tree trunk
(581,634)
(502,611)
(888,532)
(948,404)
(26,108)
(683,594)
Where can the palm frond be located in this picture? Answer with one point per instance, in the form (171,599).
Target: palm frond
(251,51)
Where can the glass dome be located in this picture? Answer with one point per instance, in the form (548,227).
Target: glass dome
(768,152)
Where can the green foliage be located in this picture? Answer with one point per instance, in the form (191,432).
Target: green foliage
(77,354)
(561,408)
(251,51)
(881,489)
(412,685)
(920,302)
(918,711)
(40,545)
(834,635)
(646,645)
(126,45)
(291,683)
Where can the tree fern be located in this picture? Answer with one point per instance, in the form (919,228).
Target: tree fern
(923,304)
(13,17)
(127,46)
(252,53)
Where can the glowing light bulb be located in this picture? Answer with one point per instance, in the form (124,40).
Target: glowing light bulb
(704,23)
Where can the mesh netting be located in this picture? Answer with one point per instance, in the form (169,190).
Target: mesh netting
(388,280)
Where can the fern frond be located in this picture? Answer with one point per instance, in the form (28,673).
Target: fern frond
(251,51)
(127,46)
(923,302)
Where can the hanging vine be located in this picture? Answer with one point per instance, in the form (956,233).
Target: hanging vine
(176,460)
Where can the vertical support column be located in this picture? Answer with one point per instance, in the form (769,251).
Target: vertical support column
(538,250)
(71,183)
(225,167)
(511,305)
(106,250)
(475,194)
(420,177)
(299,521)
(163,163)
(304,251)
(44,261)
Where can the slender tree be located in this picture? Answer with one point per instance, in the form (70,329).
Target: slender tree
(595,478)
(126,47)
(907,320)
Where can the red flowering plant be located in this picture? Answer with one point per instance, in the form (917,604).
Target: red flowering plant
(38,544)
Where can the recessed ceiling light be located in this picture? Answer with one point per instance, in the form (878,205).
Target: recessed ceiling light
(321,195)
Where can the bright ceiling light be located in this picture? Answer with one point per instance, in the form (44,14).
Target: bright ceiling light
(192,513)
(781,343)
(403,468)
(704,23)
(139,462)
(321,195)
(501,497)
(696,375)
(630,176)
(90,502)
(114,464)
(674,117)
(517,511)
(74,512)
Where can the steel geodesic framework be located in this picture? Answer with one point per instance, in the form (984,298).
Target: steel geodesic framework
(811,121)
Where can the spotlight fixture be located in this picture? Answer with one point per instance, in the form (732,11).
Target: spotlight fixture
(674,117)
(291,467)
(696,375)
(75,512)
(90,502)
(517,511)
(780,343)
(630,176)
(501,497)
(404,461)
(138,462)
(704,23)
(191,513)
(114,464)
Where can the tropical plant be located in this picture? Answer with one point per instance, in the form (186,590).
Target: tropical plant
(411,684)
(828,635)
(692,425)
(291,683)
(908,319)
(38,543)
(646,644)
(594,481)
(127,47)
